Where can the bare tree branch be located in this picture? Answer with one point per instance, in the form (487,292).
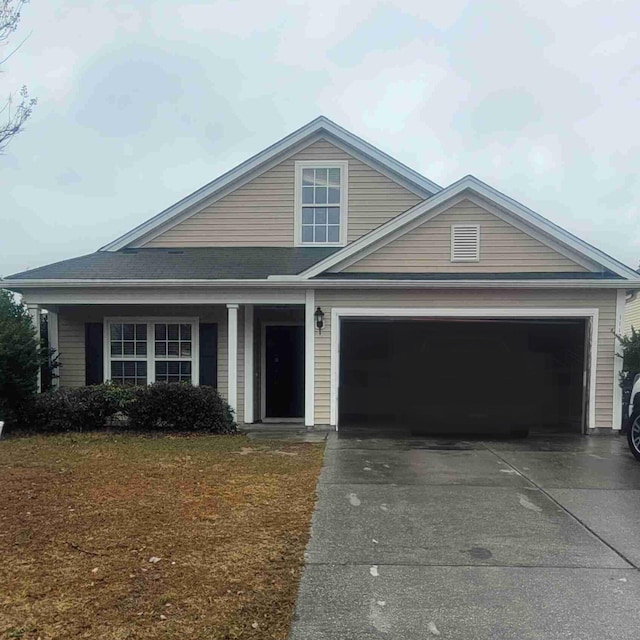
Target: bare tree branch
(9,17)
(19,105)
(16,49)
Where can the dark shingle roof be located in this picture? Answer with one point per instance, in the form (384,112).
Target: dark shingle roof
(202,263)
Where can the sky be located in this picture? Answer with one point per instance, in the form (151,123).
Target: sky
(141,103)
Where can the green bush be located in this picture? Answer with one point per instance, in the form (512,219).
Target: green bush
(19,357)
(630,356)
(165,407)
(179,407)
(80,409)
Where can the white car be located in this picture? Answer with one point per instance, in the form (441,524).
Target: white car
(633,422)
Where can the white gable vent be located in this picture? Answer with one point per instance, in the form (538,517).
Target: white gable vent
(465,243)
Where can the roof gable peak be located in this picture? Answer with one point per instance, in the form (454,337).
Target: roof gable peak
(257,163)
(473,185)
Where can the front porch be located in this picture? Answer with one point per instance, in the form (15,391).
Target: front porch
(258,351)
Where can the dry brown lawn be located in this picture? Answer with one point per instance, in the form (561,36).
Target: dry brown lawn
(127,537)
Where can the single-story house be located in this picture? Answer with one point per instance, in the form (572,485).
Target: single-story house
(325,282)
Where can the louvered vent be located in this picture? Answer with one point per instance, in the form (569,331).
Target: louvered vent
(465,243)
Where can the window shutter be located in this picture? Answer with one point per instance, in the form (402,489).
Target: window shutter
(208,354)
(465,243)
(93,353)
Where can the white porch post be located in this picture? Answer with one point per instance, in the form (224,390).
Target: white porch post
(617,360)
(309,358)
(248,363)
(52,327)
(232,337)
(34,312)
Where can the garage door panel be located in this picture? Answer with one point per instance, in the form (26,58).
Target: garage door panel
(462,376)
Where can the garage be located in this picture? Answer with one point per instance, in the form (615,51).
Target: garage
(463,375)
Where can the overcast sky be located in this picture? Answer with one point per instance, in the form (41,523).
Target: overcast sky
(141,103)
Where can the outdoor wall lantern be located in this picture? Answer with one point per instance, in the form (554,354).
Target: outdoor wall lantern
(319,316)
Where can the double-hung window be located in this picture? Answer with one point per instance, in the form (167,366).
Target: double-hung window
(173,351)
(321,203)
(140,350)
(128,352)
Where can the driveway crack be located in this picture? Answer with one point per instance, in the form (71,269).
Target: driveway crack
(561,506)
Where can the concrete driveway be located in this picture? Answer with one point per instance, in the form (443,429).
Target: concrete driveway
(521,539)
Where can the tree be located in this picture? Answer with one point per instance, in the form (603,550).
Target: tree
(49,358)
(630,353)
(19,105)
(630,356)
(20,356)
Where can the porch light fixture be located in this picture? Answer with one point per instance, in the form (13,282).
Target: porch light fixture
(319,316)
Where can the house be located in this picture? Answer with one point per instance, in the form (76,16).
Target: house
(324,281)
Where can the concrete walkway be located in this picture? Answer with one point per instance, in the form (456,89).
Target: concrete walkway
(514,540)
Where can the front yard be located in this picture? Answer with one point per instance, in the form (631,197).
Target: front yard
(126,537)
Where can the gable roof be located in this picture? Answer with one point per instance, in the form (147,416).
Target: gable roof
(260,162)
(202,263)
(434,205)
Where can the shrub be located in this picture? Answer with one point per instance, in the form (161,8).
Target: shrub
(179,407)
(49,358)
(19,357)
(166,407)
(81,409)
(630,348)
(630,355)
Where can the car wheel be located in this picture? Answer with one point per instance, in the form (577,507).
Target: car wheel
(633,435)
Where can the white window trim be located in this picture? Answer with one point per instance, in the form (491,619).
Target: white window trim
(151,357)
(465,226)
(343,166)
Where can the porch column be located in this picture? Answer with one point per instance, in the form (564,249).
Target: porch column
(617,360)
(309,358)
(52,326)
(248,363)
(232,337)
(34,312)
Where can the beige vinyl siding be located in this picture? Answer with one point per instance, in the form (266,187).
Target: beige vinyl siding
(603,300)
(71,350)
(261,212)
(71,321)
(427,248)
(632,315)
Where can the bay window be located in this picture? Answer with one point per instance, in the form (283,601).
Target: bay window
(141,350)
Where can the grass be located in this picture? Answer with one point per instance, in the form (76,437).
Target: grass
(127,537)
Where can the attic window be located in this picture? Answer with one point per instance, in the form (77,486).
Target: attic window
(465,243)
(321,203)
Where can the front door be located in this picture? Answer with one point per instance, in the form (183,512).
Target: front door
(284,371)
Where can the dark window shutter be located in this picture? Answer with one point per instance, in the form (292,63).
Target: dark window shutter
(209,354)
(93,353)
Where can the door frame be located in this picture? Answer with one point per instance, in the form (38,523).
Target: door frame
(263,368)
(591,336)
